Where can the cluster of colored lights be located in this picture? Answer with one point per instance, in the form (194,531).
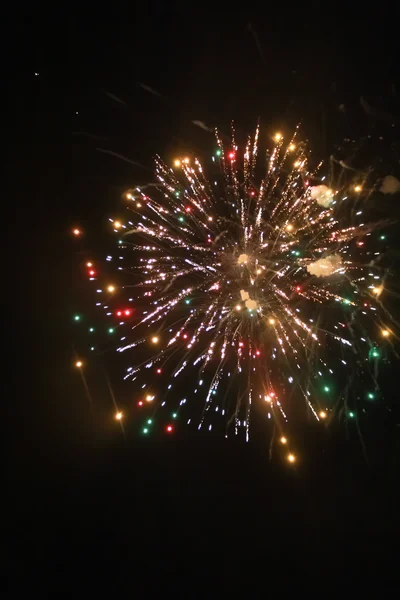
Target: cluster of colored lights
(290,457)
(126,313)
(290,332)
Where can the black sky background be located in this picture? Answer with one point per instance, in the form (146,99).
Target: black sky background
(79,497)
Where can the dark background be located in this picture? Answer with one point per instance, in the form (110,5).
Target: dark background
(86,507)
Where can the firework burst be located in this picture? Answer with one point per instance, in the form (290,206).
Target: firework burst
(254,287)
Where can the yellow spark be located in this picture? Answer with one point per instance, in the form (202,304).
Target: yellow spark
(119,416)
(322,414)
(267,398)
(238,307)
(278,137)
(111,288)
(89,264)
(377,290)
(292,147)
(283,440)
(177,162)
(385,332)
(271,321)
(357,188)
(138,204)
(210,218)
(78,364)
(289,227)
(297,164)
(129,196)
(76,232)
(291,458)
(186,161)
(117,224)
(259,271)
(154,339)
(149,398)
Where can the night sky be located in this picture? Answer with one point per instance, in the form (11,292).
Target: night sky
(170,509)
